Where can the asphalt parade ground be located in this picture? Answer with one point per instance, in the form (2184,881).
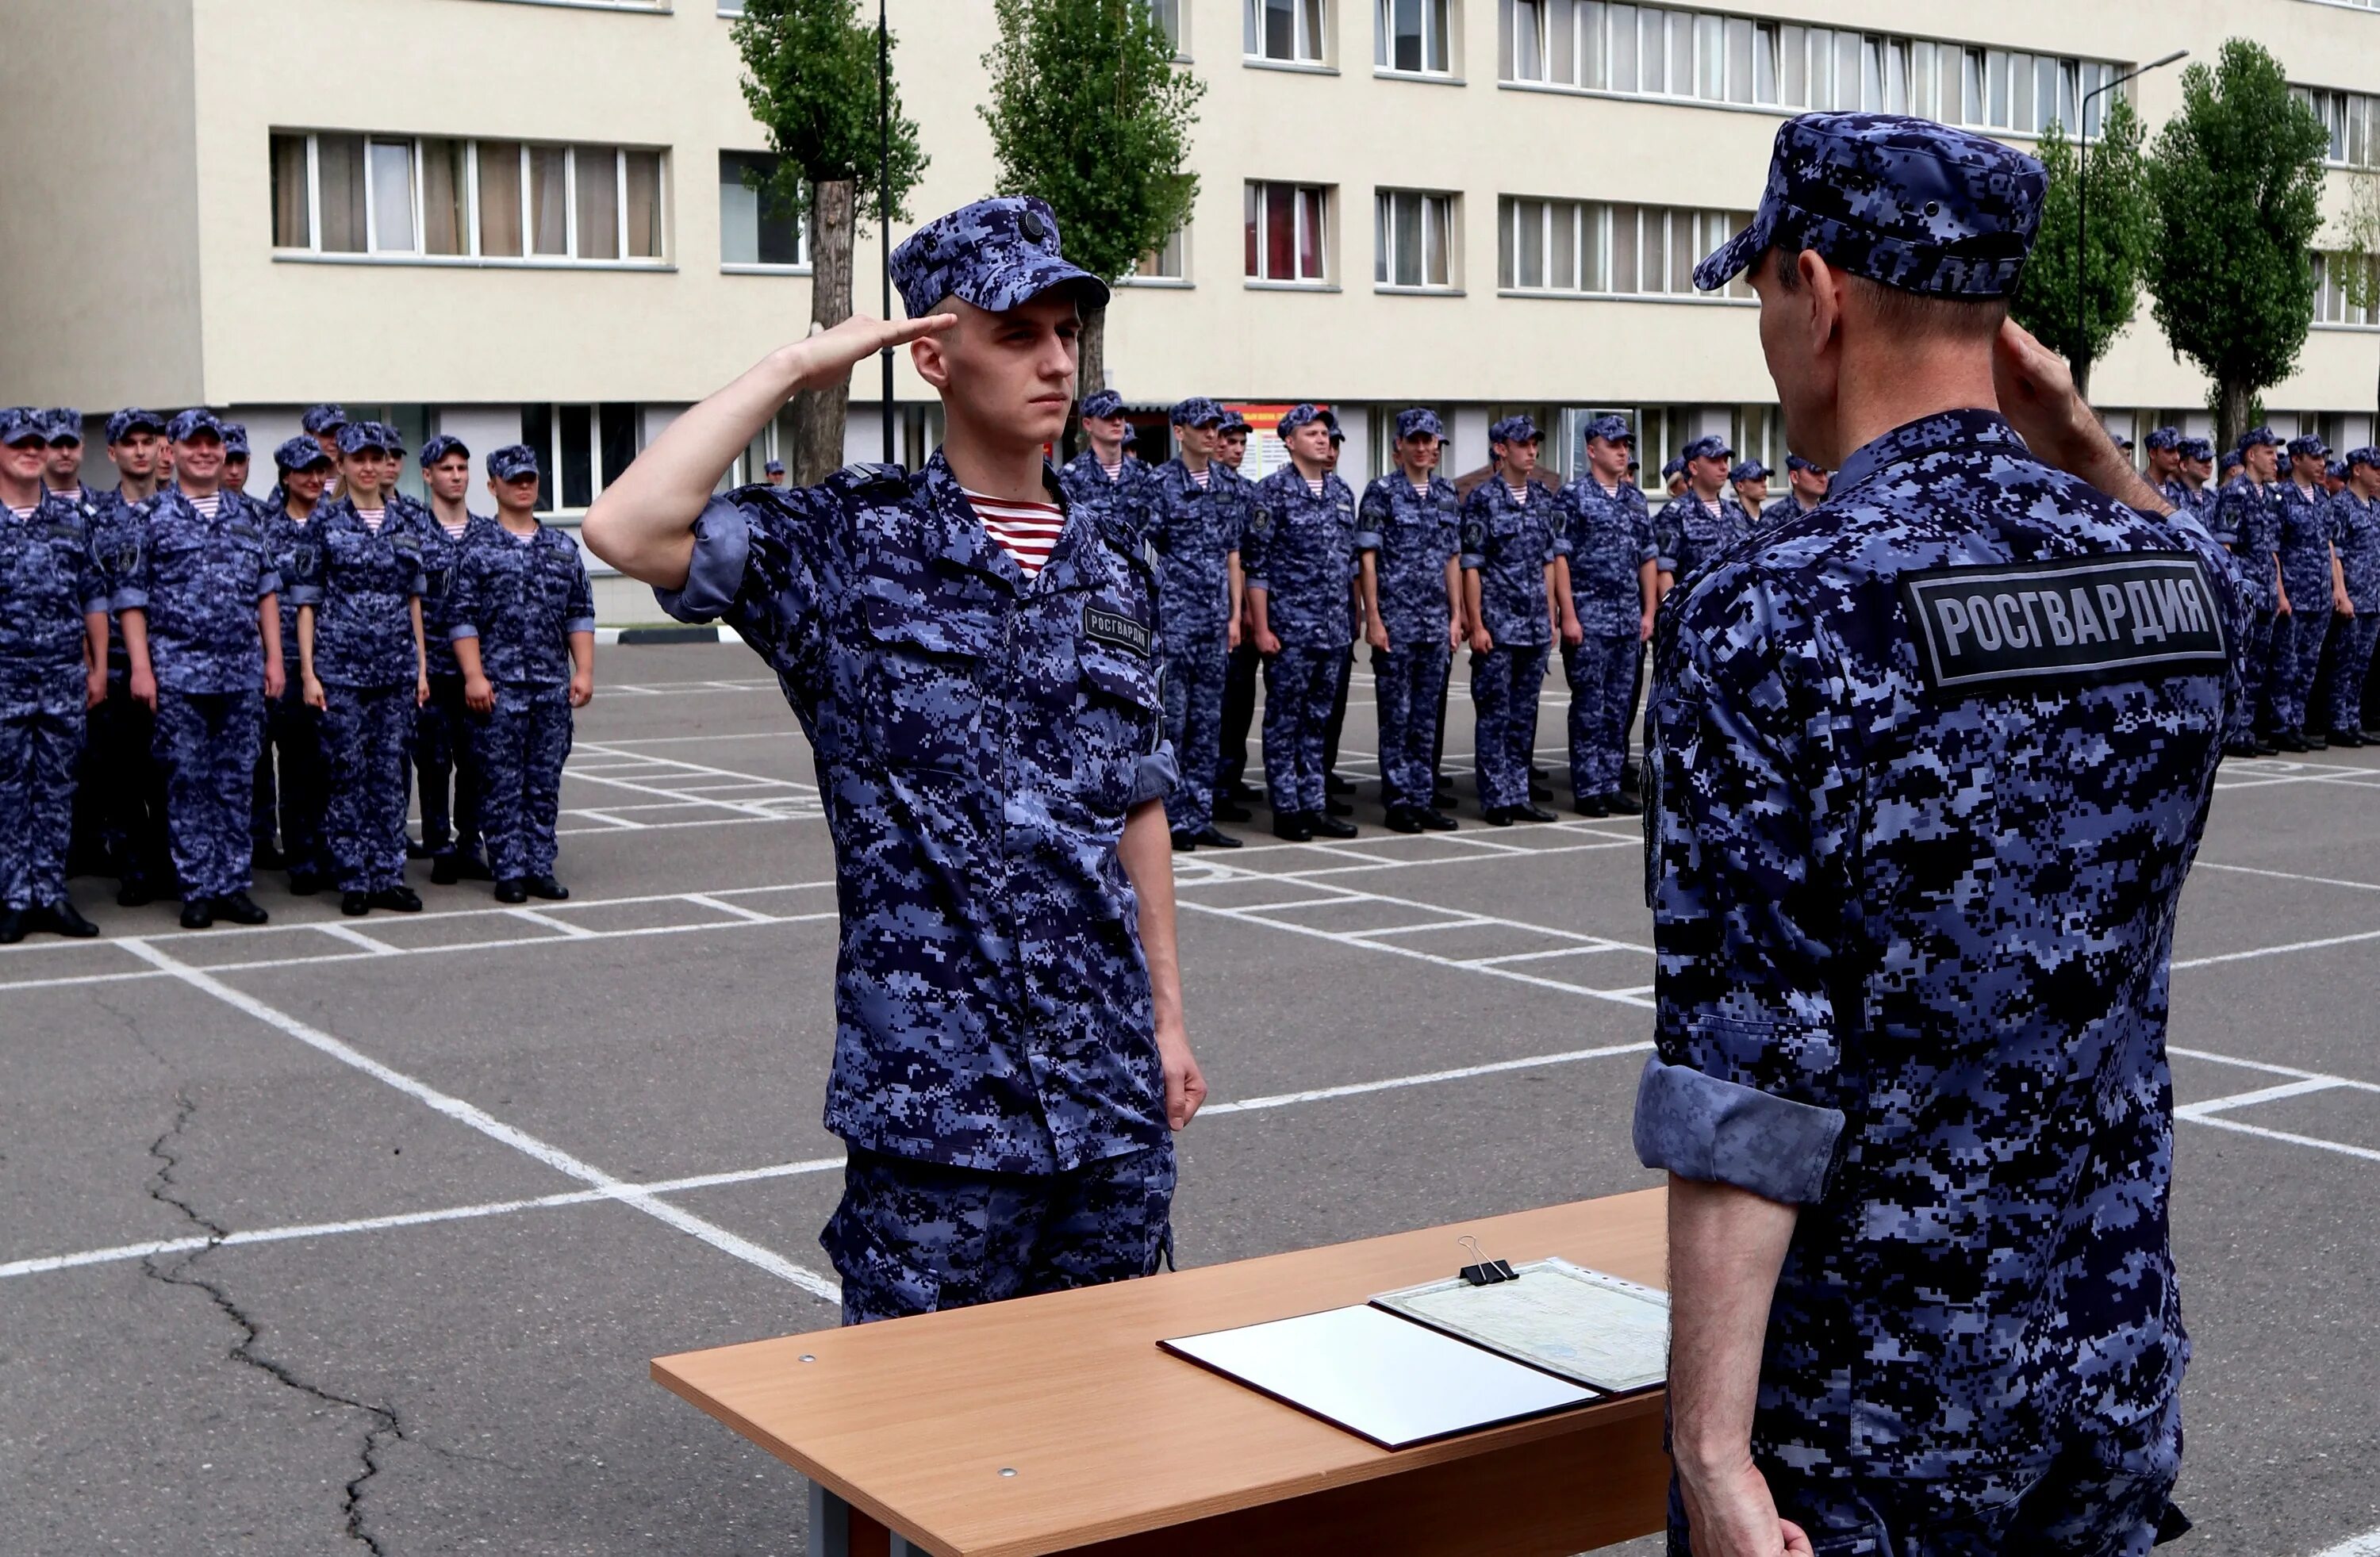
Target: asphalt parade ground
(357,1233)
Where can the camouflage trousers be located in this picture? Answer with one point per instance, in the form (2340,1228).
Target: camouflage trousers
(912,1237)
(444,769)
(2254,653)
(2350,662)
(518,748)
(1193,722)
(2071,1508)
(1409,682)
(1299,684)
(207,743)
(1602,674)
(2296,658)
(127,789)
(1505,686)
(39,744)
(364,733)
(292,784)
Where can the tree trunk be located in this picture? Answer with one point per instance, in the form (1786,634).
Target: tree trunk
(2231,412)
(818,415)
(2082,367)
(1091,371)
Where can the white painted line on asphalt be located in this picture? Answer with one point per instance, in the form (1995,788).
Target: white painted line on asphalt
(2289,1137)
(353,937)
(1466,922)
(1537,956)
(1428,1077)
(2267,1068)
(2291,875)
(735,910)
(617,823)
(2274,950)
(531,916)
(475,1117)
(2367,1545)
(2200,1111)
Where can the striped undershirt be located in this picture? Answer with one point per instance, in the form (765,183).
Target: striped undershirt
(1314,484)
(371,518)
(1201,476)
(455,531)
(1520,493)
(1027,531)
(208,504)
(24,513)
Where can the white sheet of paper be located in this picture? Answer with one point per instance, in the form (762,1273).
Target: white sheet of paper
(1389,1380)
(1583,1325)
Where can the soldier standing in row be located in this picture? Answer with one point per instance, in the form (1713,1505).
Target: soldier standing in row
(1512,543)
(2313,588)
(2355,530)
(53,670)
(1231,791)
(1806,488)
(119,792)
(1408,532)
(1299,557)
(1106,472)
(1609,584)
(292,771)
(1699,525)
(1010,1048)
(2247,519)
(1748,490)
(442,749)
(1193,522)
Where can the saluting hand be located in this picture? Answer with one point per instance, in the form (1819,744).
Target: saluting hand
(826,359)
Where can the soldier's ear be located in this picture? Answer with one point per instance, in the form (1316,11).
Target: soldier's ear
(927,354)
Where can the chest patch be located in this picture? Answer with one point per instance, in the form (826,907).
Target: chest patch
(2066,623)
(1115,630)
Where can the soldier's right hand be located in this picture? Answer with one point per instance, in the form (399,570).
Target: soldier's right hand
(144,687)
(1482,641)
(1377,635)
(1268,642)
(826,359)
(478,694)
(312,693)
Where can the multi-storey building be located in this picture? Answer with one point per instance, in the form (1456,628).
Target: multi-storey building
(529,219)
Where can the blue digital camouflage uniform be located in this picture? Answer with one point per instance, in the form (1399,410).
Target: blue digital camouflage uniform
(1508,542)
(1929,768)
(1125,495)
(2305,544)
(441,745)
(1300,549)
(1412,533)
(360,585)
(522,598)
(1611,539)
(1689,533)
(980,739)
(2355,524)
(292,769)
(2247,519)
(50,585)
(199,582)
(1196,530)
(126,790)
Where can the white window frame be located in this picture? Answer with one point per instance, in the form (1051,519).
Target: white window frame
(1298,217)
(1252,36)
(1384,244)
(1661,230)
(1444,15)
(800,267)
(311,251)
(1178,240)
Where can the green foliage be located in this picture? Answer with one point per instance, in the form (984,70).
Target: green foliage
(810,79)
(2360,277)
(2117,234)
(2235,180)
(1088,110)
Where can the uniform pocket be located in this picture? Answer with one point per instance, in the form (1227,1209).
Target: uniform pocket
(1119,719)
(922,688)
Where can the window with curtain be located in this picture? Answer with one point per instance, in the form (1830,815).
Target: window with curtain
(339,174)
(641,214)
(500,197)
(1595,249)
(1169,260)
(392,197)
(597,177)
(1411,36)
(1413,240)
(549,199)
(1285,31)
(446,196)
(293,204)
(1286,226)
(752,231)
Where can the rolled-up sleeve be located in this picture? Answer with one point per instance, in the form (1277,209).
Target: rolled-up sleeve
(582,597)
(1474,533)
(722,548)
(1370,520)
(1154,775)
(268,584)
(463,598)
(1748,831)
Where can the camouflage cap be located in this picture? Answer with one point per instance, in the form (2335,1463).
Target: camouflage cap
(299,453)
(1131,435)
(512,462)
(2367,456)
(64,424)
(2162,439)
(1905,202)
(1304,411)
(1419,419)
(1197,411)
(994,254)
(1103,404)
(131,420)
(1750,470)
(2125,444)
(1233,422)
(774,467)
(2197,448)
(440,447)
(2337,470)
(357,436)
(323,418)
(2308,448)
(1612,429)
(1795,462)
(22,424)
(235,436)
(189,424)
(390,439)
(1675,464)
(2231,461)
(2259,435)
(1515,430)
(1711,446)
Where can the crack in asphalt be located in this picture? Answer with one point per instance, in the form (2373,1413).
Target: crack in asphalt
(384,1422)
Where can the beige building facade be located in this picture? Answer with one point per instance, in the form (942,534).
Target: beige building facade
(526,219)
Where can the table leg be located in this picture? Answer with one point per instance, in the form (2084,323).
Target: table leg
(837,1529)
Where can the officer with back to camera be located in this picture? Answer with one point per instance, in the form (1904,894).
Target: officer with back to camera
(983,705)
(1910,1085)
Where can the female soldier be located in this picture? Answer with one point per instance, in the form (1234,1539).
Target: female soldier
(359,652)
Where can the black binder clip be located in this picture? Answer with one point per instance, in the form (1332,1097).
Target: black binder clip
(1487,1272)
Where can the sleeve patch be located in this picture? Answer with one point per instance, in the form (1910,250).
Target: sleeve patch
(2065,622)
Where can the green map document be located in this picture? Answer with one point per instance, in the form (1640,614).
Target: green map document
(1582,1325)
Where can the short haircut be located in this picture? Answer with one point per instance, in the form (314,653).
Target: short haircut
(1906,313)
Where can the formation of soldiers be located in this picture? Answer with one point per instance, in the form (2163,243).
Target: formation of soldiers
(196,684)
(1293,571)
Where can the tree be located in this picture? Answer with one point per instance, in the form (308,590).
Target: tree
(2236,182)
(2051,301)
(810,79)
(1088,112)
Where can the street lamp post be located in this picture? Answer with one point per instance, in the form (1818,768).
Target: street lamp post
(884,199)
(2083,192)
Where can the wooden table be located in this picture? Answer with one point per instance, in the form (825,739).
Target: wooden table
(1055,1424)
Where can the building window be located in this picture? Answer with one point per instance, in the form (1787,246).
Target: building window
(1413,240)
(1600,250)
(437,198)
(580,451)
(2353,120)
(1169,17)
(1287,228)
(751,230)
(1285,31)
(1168,261)
(2332,301)
(1412,37)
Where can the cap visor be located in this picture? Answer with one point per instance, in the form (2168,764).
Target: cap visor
(1732,259)
(1006,287)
